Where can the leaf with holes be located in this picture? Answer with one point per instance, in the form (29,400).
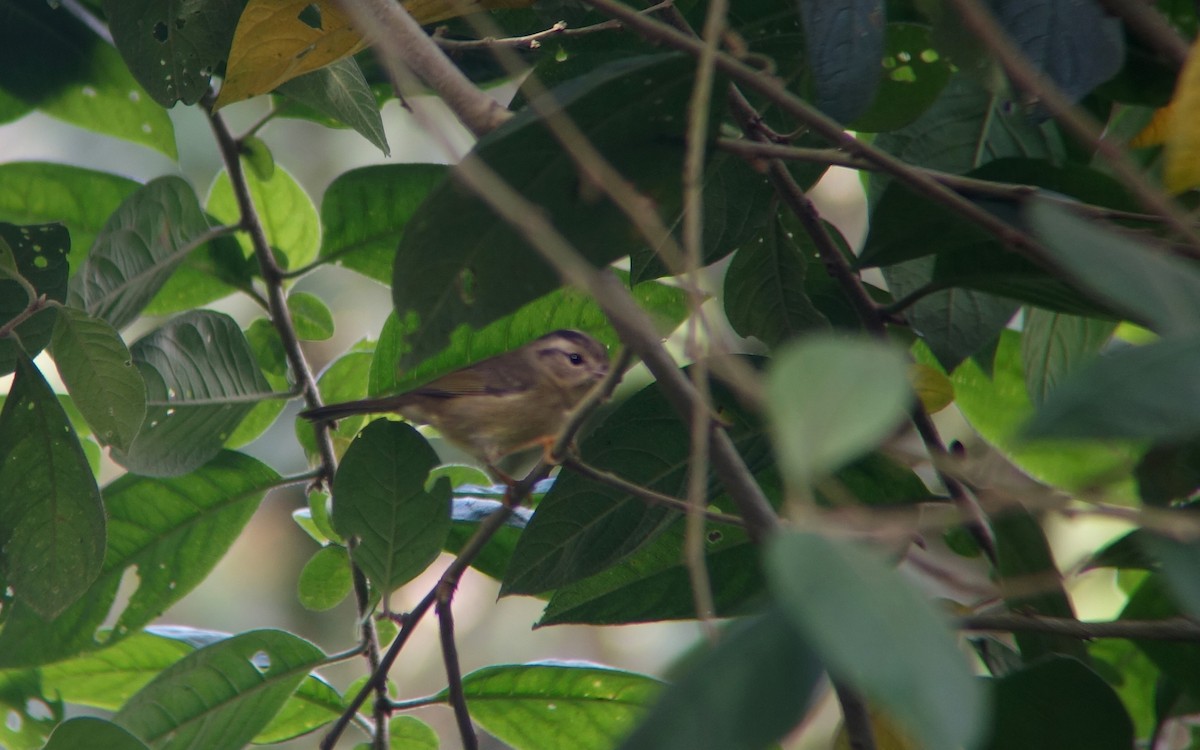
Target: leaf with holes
(220,695)
(100,375)
(37,254)
(142,243)
(171,531)
(201,380)
(173,48)
(52,526)
(379,496)
(458,263)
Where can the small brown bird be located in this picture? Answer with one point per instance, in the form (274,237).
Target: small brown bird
(499,405)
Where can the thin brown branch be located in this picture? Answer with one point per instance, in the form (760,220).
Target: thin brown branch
(647,495)
(856,717)
(534,40)
(35,306)
(1170,629)
(1026,77)
(458,698)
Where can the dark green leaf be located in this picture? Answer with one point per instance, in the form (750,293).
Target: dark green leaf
(325,579)
(872,629)
(51,61)
(37,193)
(173,49)
(466,515)
(99,373)
(633,111)
(142,243)
(914,73)
(345,379)
(844,44)
(1136,279)
(1054,345)
(742,694)
(201,380)
(213,271)
(562,308)
(557,706)
(52,525)
(1132,675)
(1057,703)
(92,733)
(1178,662)
(173,530)
(364,212)
(40,256)
(581,528)
(832,400)
(220,696)
(765,294)
(1023,555)
(311,317)
(287,214)
(1146,391)
(341,92)
(379,496)
(1180,562)
(1169,471)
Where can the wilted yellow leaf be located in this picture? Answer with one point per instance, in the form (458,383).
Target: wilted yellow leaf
(278,40)
(1155,131)
(1181,155)
(932,387)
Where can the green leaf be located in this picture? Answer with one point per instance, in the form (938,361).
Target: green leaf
(765,296)
(52,526)
(832,400)
(341,92)
(90,732)
(288,216)
(172,49)
(873,630)
(557,706)
(325,579)
(914,73)
(844,44)
(220,696)
(311,317)
(466,515)
(51,61)
(258,157)
(210,272)
(562,308)
(106,678)
(742,694)
(1138,392)
(633,111)
(174,531)
(1137,279)
(379,496)
(83,199)
(364,213)
(1177,662)
(98,371)
(314,704)
(1054,345)
(1132,675)
(40,255)
(410,733)
(345,379)
(1054,704)
(201,380)
(30,714)
(1179,565)
(142,243)
(582,527)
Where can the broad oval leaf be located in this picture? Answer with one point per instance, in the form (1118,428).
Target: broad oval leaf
(1054,345)
(174,531)
(379,496)
(558,705)
(833,399)
(875,631)
(89,731)
(310,316)
(142,243)
(325,579)
(52,525)
(37,254)
(288,216)
(458,263)
(201,380)
(742,694)
(221,695)
(99,373)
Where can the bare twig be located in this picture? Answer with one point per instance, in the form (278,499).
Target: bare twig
(1170,629)
(534,40)
(458,698)
(645,494)
(856,717)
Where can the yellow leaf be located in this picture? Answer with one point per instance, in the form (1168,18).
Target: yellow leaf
(933,388)
(1181,154)
(1155,132)
(278,40)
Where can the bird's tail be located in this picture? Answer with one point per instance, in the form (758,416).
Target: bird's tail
(350,408)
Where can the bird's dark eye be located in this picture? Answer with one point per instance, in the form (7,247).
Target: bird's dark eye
(575,358)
